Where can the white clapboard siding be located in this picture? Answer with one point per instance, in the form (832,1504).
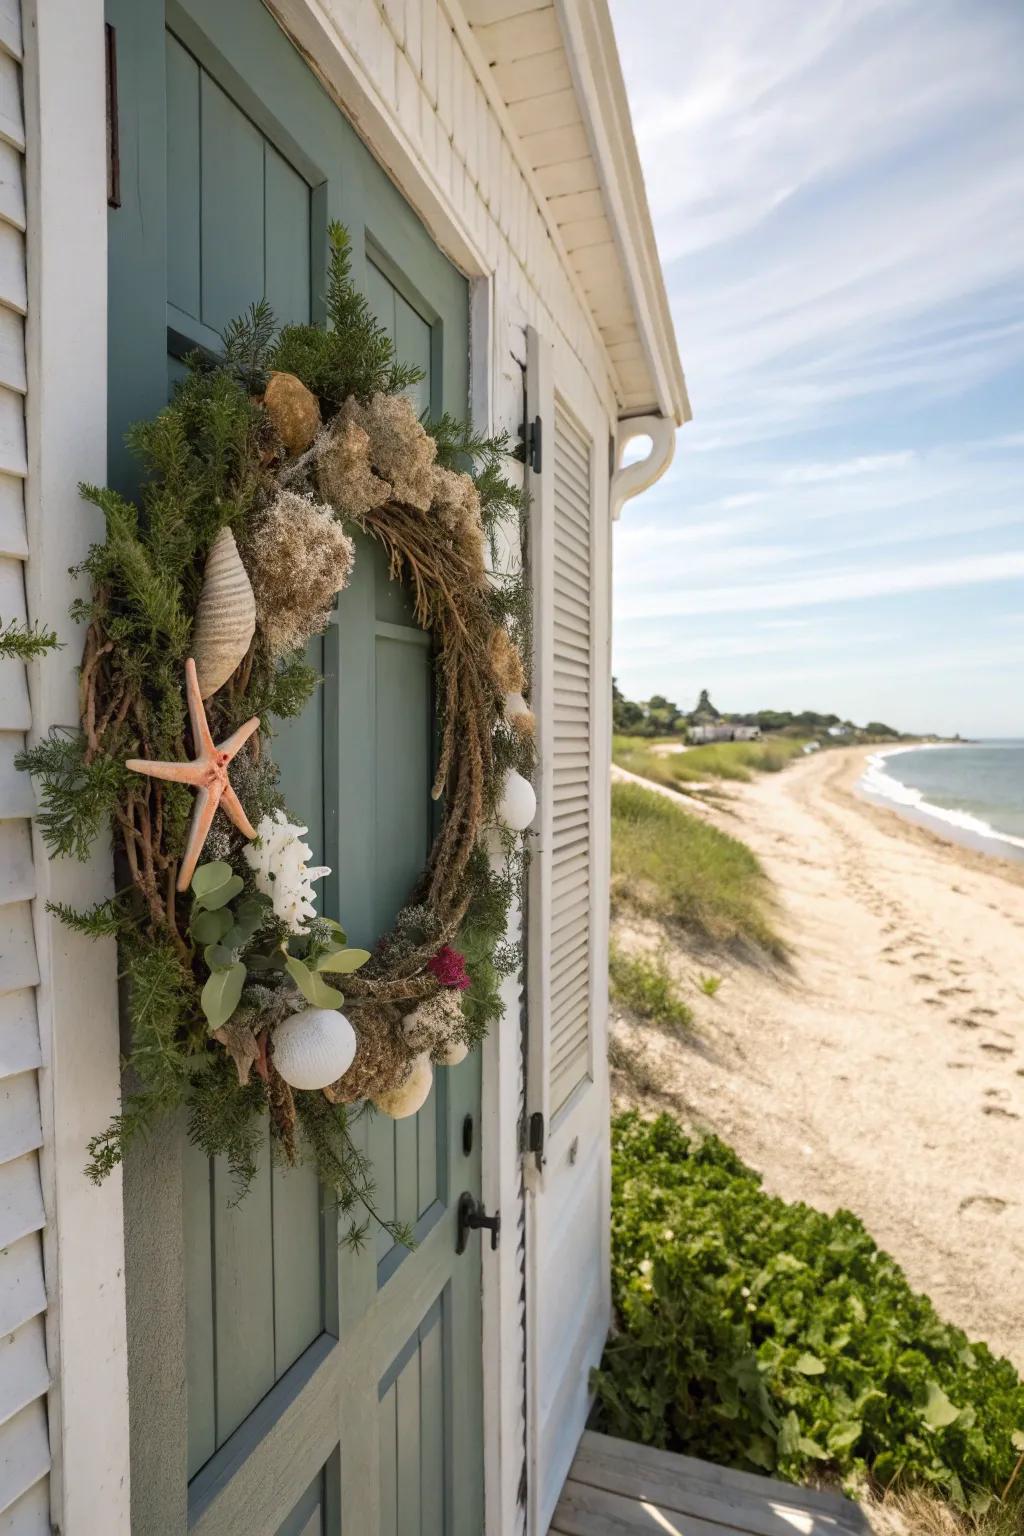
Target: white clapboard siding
(569,1049)
(24,1378)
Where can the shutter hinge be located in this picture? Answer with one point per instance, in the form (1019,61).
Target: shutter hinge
(530,453)
(535,1141)
(113,130)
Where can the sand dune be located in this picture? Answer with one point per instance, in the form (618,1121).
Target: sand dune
(885,1071)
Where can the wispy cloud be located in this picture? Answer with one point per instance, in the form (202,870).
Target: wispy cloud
(826,587)
(837,197)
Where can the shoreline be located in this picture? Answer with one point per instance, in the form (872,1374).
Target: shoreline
(960,827)
(882,1070)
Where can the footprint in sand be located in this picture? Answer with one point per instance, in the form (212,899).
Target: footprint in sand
(982,1013)
(997,1109)
(987,1204)
(923,976)
(996,1050)
(964,1022)
(955,991)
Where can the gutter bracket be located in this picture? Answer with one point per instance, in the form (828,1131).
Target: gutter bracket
(630,480)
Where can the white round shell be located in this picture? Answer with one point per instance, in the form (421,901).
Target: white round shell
(314,1048)
(454,1052)
(410,1095)
(518,804)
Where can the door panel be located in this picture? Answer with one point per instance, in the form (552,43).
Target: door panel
(326,1387)
(413,1434)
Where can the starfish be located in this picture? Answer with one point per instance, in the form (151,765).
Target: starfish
(207,773)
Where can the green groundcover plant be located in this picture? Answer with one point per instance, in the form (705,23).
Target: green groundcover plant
(774,1338)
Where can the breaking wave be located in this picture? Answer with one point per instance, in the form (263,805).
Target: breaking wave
(880,782)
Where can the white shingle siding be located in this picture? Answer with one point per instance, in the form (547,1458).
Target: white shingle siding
(24,1379)
(427,68)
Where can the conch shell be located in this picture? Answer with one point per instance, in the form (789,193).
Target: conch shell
(225,619)
(293,410)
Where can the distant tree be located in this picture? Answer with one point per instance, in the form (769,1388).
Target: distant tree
(628,718)
(876,728)
(705,709)
(663,716)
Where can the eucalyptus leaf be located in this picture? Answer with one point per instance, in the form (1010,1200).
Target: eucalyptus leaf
(218,957)
(343,961)
(810,1365)
(313,988)
(210,877)
(210,927)
(223,894)
(221,994)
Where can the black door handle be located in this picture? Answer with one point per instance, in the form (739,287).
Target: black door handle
(472,1217)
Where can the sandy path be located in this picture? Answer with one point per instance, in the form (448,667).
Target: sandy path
(885,1073)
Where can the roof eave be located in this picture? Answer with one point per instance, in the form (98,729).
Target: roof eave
(601,91)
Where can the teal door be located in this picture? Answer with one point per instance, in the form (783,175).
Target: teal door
(280,1382)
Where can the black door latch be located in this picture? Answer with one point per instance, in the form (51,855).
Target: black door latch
(472,1217)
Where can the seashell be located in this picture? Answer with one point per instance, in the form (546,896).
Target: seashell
(312,1049)
(411,1095)
(293,411)
(225,619)
(451,1054)
(518,804)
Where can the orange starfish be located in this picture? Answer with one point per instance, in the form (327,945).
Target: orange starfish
(207,772)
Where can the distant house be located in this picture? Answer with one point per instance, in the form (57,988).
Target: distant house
(721,730)
(839,730)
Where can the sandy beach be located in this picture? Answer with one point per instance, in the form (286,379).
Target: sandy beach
(883,1070)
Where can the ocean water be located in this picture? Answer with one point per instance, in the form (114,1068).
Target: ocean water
(975,790)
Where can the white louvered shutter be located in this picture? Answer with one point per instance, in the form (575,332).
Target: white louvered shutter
(566,1163)
(569,1031)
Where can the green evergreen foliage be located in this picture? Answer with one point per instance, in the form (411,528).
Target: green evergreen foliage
(26,642)
(105,920)
(351,355)
(774,1338)
(77,799)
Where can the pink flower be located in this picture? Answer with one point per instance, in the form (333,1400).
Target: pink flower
(450,968)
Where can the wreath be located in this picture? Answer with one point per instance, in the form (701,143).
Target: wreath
(204,596)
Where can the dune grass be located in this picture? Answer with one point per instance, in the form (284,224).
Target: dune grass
(645,985)
(735,760)
(674,866)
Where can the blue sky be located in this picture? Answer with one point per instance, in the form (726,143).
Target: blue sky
(838,194)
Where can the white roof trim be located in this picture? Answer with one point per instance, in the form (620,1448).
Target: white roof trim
(551,69)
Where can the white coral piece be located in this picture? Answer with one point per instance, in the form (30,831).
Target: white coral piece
(279,860)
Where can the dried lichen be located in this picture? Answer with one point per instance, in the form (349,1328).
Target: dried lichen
(401,450)
(382,1058)
(506,663)
(299,556)
(344,475)
(436,1024)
